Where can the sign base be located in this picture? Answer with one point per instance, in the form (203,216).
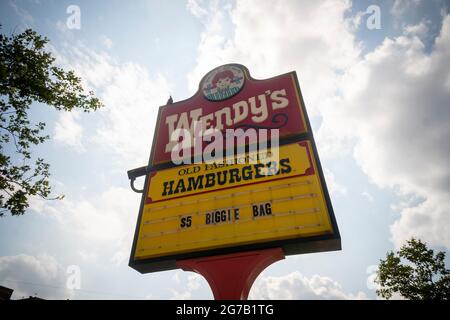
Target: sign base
(231,276)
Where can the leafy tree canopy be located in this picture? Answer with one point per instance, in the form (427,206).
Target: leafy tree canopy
(414,272)
(27,75)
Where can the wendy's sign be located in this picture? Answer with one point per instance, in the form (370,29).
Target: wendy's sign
(229,98)
(254,199)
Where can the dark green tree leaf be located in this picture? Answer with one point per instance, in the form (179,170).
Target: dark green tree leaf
(27,75)
(415,273)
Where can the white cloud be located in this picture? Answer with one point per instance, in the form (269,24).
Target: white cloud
(372,275)
(416,29)
(368,196)
(131,97)
(394,107)
(388,109)
(186,283)
(87,255)
(68,132)
(194,281)
(61,26)
(176,277)
(40,275)
(103,223)
(133,100)
(194,8)
(333,186)
(295,286)
(311,37)
(106,41)
(26,18)
(180,295)
(429,221)
(399,7)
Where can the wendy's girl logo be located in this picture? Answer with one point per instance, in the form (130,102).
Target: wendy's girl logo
(223,82)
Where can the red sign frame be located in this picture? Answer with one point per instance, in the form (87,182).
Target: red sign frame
(290,120)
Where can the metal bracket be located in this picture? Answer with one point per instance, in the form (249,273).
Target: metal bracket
(135,173)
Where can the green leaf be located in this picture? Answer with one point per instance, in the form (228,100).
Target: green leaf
(27,75)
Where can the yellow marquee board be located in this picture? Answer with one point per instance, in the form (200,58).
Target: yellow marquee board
(203,209)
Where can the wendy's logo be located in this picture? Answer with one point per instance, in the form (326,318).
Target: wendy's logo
(223,82)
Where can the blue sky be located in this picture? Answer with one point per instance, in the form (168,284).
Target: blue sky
(378,100)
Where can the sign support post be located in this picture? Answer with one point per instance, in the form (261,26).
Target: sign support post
(231,276)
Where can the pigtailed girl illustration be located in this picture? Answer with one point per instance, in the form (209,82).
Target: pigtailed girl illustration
(222,80)
(223,83)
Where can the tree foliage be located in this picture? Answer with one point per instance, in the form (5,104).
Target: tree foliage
(414,272)
(28,75)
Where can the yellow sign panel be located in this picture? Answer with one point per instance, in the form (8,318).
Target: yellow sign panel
(259,198)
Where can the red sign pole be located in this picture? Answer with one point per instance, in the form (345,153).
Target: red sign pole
(231,276)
